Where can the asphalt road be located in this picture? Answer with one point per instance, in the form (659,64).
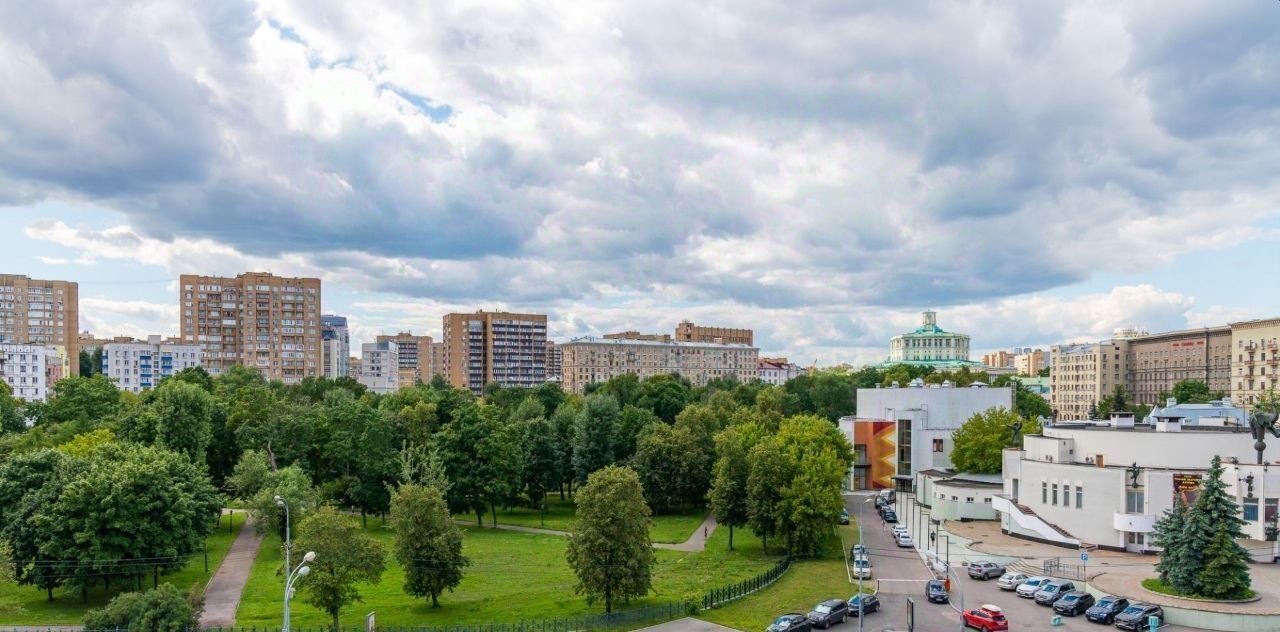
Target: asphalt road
(901,575)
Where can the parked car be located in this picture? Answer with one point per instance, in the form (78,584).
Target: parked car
(844,516)
(857,550)
(862,569)
(988,618)
(899,528)
(1073,603)
(790,623)
(905,541)
(869,603)
(935,590)
(890,516)
(1052,591)
(1011,580)
(1106,609)
(828,613)
(985,570)
(1028,588)
(1135,616)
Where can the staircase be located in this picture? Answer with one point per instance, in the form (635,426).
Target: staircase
(1027,519)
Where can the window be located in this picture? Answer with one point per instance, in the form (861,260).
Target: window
(1055,493)
(1044,493)
(1134,501)
(937,445)
(1251,509)
(1079,497)
(1066,495)
(1271,509)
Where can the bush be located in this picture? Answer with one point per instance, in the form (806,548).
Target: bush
(164,609)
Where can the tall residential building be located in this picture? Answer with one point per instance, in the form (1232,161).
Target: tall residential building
(41,312)
(25,368)
(257,319)
(380,366)
(686,331)
(137,366)
(1030,362)
(590,360)
(1255,359)
(353,367)
(555,358)
(335,344)
(438,366)
(999,359)
(1158,361)
(1085,373)
(414,353)
(501,347)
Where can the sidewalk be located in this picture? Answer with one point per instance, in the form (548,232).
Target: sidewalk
(222,595)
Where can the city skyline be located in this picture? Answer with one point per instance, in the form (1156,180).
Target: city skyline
(1051,174)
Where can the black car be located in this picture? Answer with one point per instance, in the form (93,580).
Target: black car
(890,516)
(790,623)
(935,590)
(1106,609)
(1135,616)
(828,613)
(844,516)
(1073,603)
(869,603)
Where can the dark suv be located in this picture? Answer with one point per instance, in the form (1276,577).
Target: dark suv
(868,602)
(935,590)
(1135,616)
(889,515)
(1106,609)
(828,613)
(790,623)
(1073,603)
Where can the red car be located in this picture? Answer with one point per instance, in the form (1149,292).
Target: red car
(988,618)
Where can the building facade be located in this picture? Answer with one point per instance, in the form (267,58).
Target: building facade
(25,368)
(555,362)
(414,354)
(591,360)
(138,366)
(501,347)
(898,432)
(930,345)
(1255,359)
(380,367)
(686,331)
(998,359)
(256,319)
(777,371)
(335,346)
(43,313)
(438,366)
(1030,362)
(1158,361)
(1085,373)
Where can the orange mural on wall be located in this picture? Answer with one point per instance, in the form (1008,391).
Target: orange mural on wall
(880,437)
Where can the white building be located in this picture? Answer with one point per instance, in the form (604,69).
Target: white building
(25,368)
(1106,483)
(335,346)
(777,371)
(380,366)
(952,496)
(897,432)
(138,366)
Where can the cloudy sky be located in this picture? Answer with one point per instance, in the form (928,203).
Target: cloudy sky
(818,171)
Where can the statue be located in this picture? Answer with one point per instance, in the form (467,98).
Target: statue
(1014,431)
(1134,472)
(1260,423)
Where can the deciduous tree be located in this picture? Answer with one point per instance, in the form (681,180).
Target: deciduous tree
(595,435)
(428,543)
(163,609)
(345,556)
(729,499)
(609,549)
(978,445)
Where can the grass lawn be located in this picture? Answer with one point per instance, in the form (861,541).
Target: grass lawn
(513,576)
(25,605)
(673,528)
(806,583)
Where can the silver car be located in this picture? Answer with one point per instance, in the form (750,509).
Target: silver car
(1029,586)
(1011,580)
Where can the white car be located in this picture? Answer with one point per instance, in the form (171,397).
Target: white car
(1011,580)
(862,569)
(1029,586)
(899,530)
(904,540)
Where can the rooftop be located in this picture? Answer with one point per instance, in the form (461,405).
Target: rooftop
(628,342)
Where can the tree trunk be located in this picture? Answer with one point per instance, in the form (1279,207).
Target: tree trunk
(561,491)
(480,518)
(364,519)
(730,537)
(493,511)
(336,624)
(435,601)
(608,599)
(49,589)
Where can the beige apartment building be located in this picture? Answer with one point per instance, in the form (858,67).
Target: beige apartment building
(555,362)
(591,360)
(438,366)
(686,331)
(1158,361)
(502,347)
(256,319)
(1255,359)
(414,353)
(41,312)
(1085,373)
(999,360)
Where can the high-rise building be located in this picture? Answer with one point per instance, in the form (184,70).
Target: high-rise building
(414,354)
(555,359)
(1030,362)
(380,366)
(591,360)
(41,312)
(501,347)
(137,366)
(335,343)
(1255,359)
(257,319)
(686,331)
(1158,361)
(438,366)
(1083,374)
(25,368)
(998,359)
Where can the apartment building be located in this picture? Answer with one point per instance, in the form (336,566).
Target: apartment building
(686,331)
(256,319)
(590,360)
(1030,362)
(1158,361)
(777,371)
(555,362)
(500,347)
(335,345)
(1255,359)
(380,366)
(414,354)
(998,359)
(41,312)
(354,365)
(437,360)
(136,366)
(1085,373)
(25,368)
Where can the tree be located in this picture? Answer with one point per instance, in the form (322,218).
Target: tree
(250,475)
(665,395)
(632,422)
(11,418)
(294,486)
(812,502)
(184,413)
(428,543)
(1029,405)
(482,457)
(609,549)
(728,495)
(1194,392)
(345,556)
(1168,537)
(194,375)
(87,401)
(771,472)
(164,609)
(541,459)
(594,435)
(625,388)
(1116,402)
(422,465)
(833,395)
(671,467)
(565,423)
(1045,372)
(978,445)
(1213,526)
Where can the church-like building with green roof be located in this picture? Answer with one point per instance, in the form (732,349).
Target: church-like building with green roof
(931,345)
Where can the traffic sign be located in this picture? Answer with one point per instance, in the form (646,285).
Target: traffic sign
(1084,556)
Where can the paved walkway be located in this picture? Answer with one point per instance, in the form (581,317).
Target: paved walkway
(222,595)
(696,542)
(687,625)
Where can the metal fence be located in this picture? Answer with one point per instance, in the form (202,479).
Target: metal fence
(720,596)
(1056,568)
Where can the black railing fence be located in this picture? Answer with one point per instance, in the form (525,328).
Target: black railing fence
(720,596)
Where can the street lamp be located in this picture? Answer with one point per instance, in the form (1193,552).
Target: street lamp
(292,578)
(288,539)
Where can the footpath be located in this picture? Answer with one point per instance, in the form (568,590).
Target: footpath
(222,595)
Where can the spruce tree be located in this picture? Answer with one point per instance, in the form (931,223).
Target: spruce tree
(1223,570)
(1168,536)
(1226,571)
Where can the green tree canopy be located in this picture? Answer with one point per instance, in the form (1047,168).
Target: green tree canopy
(671,466)
(771,472)
(609,549)
(728,496)
(595,435)
(345,557)
(164,609)
(978,445)
(1193,392)
(428,543)
(85,401)
(665,395)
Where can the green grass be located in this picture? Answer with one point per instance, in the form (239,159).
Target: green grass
(25,605)
(806,583)
(1155,585)
(513,576)
(672,528)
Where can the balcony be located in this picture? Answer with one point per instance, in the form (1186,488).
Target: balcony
(1133,523)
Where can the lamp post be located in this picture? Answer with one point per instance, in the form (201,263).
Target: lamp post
(292,578)
(288,540)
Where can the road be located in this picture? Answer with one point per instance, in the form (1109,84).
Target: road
(901,574)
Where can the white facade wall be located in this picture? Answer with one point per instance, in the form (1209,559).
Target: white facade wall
(778,375)
(380,367)
(25,369)
(959,501)
(139,366)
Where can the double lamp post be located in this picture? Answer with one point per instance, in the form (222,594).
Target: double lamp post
(292,575)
